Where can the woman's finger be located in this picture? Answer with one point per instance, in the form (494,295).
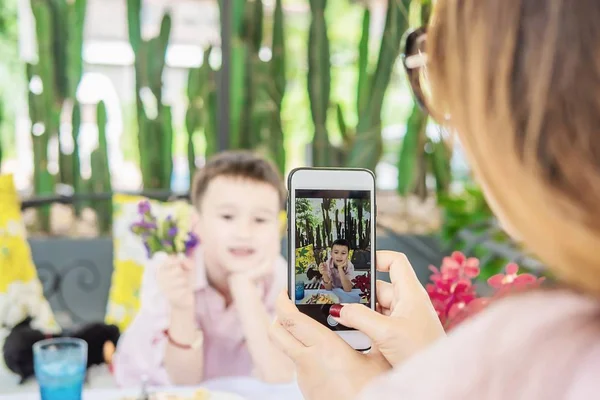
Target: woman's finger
(305,329)
(385,294)
(285,341)
(364,319)
(402,274)
(381,310)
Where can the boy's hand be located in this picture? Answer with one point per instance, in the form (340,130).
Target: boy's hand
(257,271)
(175,281)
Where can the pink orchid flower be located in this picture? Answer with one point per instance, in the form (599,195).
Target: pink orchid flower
(452,292)
(512,281)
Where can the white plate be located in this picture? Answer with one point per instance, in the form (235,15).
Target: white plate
(185,393)
(333,297)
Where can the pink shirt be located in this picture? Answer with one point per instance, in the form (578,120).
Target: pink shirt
(541,345)
(141,348)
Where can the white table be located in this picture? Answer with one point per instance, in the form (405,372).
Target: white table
(247,388)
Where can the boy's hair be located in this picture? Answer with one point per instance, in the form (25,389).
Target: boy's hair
(341,242)
(237,164)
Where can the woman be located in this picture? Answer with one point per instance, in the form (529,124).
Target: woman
(338,270)
(518,80)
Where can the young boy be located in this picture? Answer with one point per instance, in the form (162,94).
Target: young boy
(338,270)
(208,316)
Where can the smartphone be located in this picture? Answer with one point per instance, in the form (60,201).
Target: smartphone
(331,234)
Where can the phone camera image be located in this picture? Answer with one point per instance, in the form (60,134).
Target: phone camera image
(333,248)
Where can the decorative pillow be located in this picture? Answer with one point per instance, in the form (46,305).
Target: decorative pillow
(21,293)
(130,256)
(305,257)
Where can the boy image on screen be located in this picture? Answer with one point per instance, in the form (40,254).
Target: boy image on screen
(333,248)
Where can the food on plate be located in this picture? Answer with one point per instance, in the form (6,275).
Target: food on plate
(320,298)
(199,394)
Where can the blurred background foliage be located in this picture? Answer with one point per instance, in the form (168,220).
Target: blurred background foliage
(312,82)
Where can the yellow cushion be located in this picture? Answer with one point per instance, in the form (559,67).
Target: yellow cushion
(21,293)
(305,258)
(130,256)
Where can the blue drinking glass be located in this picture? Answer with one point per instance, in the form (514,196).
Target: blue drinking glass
(299,291)
(60,367)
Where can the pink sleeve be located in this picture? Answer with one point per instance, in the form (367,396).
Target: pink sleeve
(525,347)
(140,350)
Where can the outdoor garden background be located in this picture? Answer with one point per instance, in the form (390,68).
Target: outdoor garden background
(106,97)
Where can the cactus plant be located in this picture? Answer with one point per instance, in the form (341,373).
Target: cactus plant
(201,112)
(155,135)
(361,146)
(256,86)
(75,128)
(41,114)
(100,181)
(319,81)
(367,146)
(277,71)
(59,32)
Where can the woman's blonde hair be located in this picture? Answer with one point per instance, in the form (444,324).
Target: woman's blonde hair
(520,82)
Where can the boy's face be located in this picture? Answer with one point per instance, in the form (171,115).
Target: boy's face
(238,223)
(339,254)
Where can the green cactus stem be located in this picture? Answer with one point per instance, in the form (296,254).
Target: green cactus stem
(201,111)
(363,63)
(368,145)
(100,181)
(75,130)
(155,135)
(59,32)
(239,58)
(278,67)
(319,81)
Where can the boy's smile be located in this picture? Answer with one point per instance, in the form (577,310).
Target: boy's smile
(241,251)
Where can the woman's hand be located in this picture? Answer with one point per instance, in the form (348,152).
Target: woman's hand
(407,321)
(327,367)
(175,279)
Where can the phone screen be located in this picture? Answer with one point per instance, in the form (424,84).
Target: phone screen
(332,251)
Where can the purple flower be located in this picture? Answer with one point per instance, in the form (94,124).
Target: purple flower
(191,242)
(172,232)
(159,235)
(144,207)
